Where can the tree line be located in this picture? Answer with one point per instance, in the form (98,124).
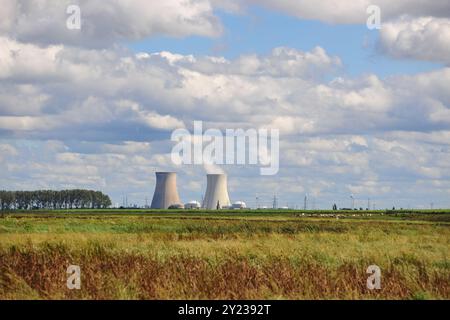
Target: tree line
(49,199)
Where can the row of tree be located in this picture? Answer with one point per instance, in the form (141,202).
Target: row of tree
(49,199)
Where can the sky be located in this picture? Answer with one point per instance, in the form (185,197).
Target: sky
(360,112)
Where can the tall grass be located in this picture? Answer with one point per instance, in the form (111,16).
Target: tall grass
(142,257)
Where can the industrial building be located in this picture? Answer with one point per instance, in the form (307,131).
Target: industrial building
(166,194)
(216,195)
(239,205)
(192,205)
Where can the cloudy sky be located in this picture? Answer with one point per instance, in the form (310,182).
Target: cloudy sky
(362,112)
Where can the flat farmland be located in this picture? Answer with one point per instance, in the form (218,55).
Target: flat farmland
(227,255)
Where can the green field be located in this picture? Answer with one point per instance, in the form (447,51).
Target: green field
(136,254)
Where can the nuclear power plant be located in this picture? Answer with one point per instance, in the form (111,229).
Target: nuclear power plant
(166,194)
(216,195)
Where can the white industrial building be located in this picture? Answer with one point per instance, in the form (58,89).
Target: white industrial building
(192,205)
(216,195)
(239,205)
(166,194)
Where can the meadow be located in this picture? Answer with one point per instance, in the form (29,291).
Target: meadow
(136,254)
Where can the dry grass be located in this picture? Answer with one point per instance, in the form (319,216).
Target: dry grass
(135,257)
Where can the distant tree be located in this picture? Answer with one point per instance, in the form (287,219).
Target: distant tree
(49,199)
(334,207)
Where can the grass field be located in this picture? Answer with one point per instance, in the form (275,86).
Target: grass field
(231,255)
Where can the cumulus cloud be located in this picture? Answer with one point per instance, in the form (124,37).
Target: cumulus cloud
(106,22)
(163,90)
(21,99)
(281,62)
(424,38)
(26,61)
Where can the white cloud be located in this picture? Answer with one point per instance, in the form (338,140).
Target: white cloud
(22,99)
(286,89)
(127,147)
(424,38)
(26,61)
(106,22)
(149,118)
(281,62)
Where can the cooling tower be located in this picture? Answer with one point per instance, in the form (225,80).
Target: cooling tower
(216,192)
(166,193)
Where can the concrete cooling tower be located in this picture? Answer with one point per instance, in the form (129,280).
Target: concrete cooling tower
(216,192)
(166,193)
